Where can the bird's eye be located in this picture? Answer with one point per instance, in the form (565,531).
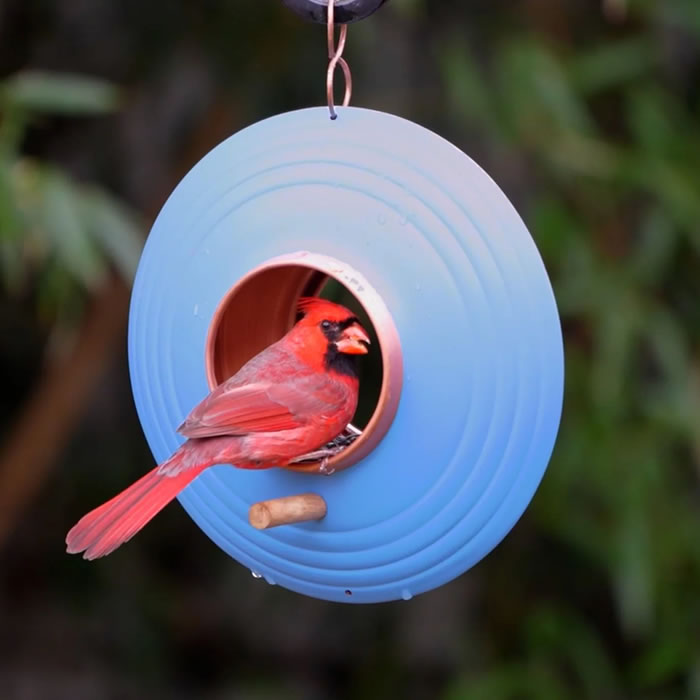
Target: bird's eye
(326,325)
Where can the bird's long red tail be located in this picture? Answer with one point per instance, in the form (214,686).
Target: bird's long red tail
(107,527)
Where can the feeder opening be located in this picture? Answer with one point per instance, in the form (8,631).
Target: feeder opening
(262,306)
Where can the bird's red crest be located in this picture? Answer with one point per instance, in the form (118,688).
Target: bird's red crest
(322,307)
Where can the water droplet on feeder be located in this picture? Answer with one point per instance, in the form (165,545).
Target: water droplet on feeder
(256,574)
(270,580)
(406,594)
(327,470)
(381,219)
(196,309)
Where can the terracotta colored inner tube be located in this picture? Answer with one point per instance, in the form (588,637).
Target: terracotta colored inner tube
(261,307)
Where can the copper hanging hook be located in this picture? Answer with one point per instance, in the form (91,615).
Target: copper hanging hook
(335,54)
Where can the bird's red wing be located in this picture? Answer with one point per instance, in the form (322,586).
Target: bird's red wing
(238,411)
(252,408)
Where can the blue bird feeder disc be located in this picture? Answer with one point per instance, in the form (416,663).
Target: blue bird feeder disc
(424,238)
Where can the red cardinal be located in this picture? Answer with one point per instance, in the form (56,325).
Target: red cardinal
(291,399)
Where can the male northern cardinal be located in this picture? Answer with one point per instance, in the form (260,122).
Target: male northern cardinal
(292,398)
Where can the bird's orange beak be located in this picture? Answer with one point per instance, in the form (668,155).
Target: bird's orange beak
(353,341)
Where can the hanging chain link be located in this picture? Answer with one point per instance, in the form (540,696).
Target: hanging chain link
(335,55)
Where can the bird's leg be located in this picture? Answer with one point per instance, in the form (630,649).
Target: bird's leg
(316,455)
(331,449)
(322,455)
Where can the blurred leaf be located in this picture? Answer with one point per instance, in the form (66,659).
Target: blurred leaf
(10,231)
(657,239)
(114,228)
(510,682)
(682,13)
(12,125)
(561,634)
(580,285)
(582,155)
(618,321)
(66,234)
(610,65)
(465,87)
(60,300)
(59,218)
(667,657)
(677,189)
(59,93)
(632,571)
(668,346)
(537,94)
(694,682)
(649,119)
(554,226)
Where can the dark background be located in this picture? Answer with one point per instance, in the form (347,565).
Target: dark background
(587,114)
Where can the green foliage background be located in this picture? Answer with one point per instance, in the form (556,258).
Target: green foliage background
(590,122)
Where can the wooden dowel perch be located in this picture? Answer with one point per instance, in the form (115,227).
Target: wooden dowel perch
(287,510)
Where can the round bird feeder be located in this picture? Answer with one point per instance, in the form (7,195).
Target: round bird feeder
(466,323)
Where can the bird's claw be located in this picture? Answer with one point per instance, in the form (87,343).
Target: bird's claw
(323,467)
